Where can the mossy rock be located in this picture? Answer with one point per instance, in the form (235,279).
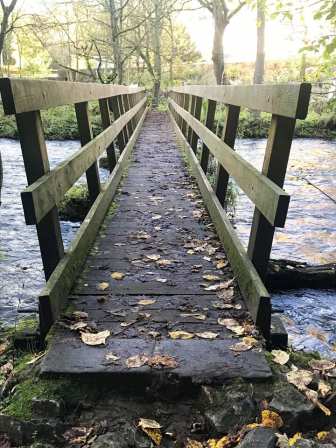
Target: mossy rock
(76,204)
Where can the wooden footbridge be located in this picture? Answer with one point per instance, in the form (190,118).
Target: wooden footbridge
(159,272)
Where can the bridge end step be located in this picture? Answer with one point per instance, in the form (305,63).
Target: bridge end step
(198,361)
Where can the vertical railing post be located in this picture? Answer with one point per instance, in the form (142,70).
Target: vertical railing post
(35,157)
(185,105)
(209,121)
(115,106)
(197,115)
(85,135)
(274,167)
(229,137)
(191,110)
(106,122)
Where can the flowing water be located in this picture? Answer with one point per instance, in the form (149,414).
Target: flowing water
(309,235)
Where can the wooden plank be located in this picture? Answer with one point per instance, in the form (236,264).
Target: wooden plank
(209,121)
(254,292)
(53,297)
(191,110)
(185,106)
(288,100)
(25,95)
(274,167)
(106,122)
(229,137)
(85,135)
(40,197)
(270,199)
(35,157)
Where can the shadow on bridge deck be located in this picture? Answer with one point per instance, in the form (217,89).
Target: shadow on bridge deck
(166,250)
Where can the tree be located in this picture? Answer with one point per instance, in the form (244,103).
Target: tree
(259,69)
(222,16)
(5,26)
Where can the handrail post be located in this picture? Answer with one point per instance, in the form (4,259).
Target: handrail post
(35,157)
(115,106)
(229,137)
(209,121)
(197,114)
(106,122)
(274,167)
(191,110)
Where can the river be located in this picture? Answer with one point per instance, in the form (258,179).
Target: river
(309,235)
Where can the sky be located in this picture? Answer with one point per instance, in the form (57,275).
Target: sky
(283,39)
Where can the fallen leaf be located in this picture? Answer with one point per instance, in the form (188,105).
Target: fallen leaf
(161,280)
(95,338)
(250,340)
(280,357)
(4,347)
(78,326)
(207,335)
(211,278)
(224,442)
(232,325)
(153,257)
(136,361)
(322,435)
(112,358)
(324,388)
(221,264)
(240,347)
(164,262)
(103,286)
(146,302)
(312,395)
(296,437)
(166,361)
(193,444)
(194,315)
(79,315)
(154,433)
(271,419)
(118,275)
(180,335)
(7,368)
(127,324)
(300,378)
(322,364)
(156,217)
(154,334)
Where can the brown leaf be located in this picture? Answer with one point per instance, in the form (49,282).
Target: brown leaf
(181,335)
(194,316)
(300,378)
(221,264)
(103,286)
(7,368)
(146,302)
(136,361)
(78,326)
(210,277)
(95,338)
(280,357)
(240,347)
(207,335)
(322,364)
(4,347)
(165,361)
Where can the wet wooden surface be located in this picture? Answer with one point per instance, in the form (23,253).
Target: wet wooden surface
(160,238)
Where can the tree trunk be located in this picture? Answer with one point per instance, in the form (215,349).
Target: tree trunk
(157,50)
(217,48)
(115,41)
(6,12)
(259,69)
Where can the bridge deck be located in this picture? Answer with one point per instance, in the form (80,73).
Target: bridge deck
(159,213)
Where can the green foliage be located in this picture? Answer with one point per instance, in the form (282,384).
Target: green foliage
(76,204)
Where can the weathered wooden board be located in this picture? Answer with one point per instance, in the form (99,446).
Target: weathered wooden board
(271,200)
(288,100)
(25,95)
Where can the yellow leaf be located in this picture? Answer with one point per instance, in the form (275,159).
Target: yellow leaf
(221,264)
(95,338)
(136,361)
(117,275)
(149,424)
(181,335)
(292,441)
(102,286)
(280,357)
(322,435)
(224,442)
(270,419)
(193,444)
(152,429)
(207,335)
(146,302)
(153,257)
(210,277)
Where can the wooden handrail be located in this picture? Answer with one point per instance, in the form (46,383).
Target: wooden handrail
(288,100)
(46,188)
(26,95)
(286,103)
(40,197)
(270,199)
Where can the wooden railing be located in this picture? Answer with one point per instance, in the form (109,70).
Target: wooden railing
(286,103)
(25,99)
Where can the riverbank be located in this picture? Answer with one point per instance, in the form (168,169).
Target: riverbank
(296,407)
(60,124)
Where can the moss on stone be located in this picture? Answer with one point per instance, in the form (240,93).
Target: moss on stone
(76,204)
